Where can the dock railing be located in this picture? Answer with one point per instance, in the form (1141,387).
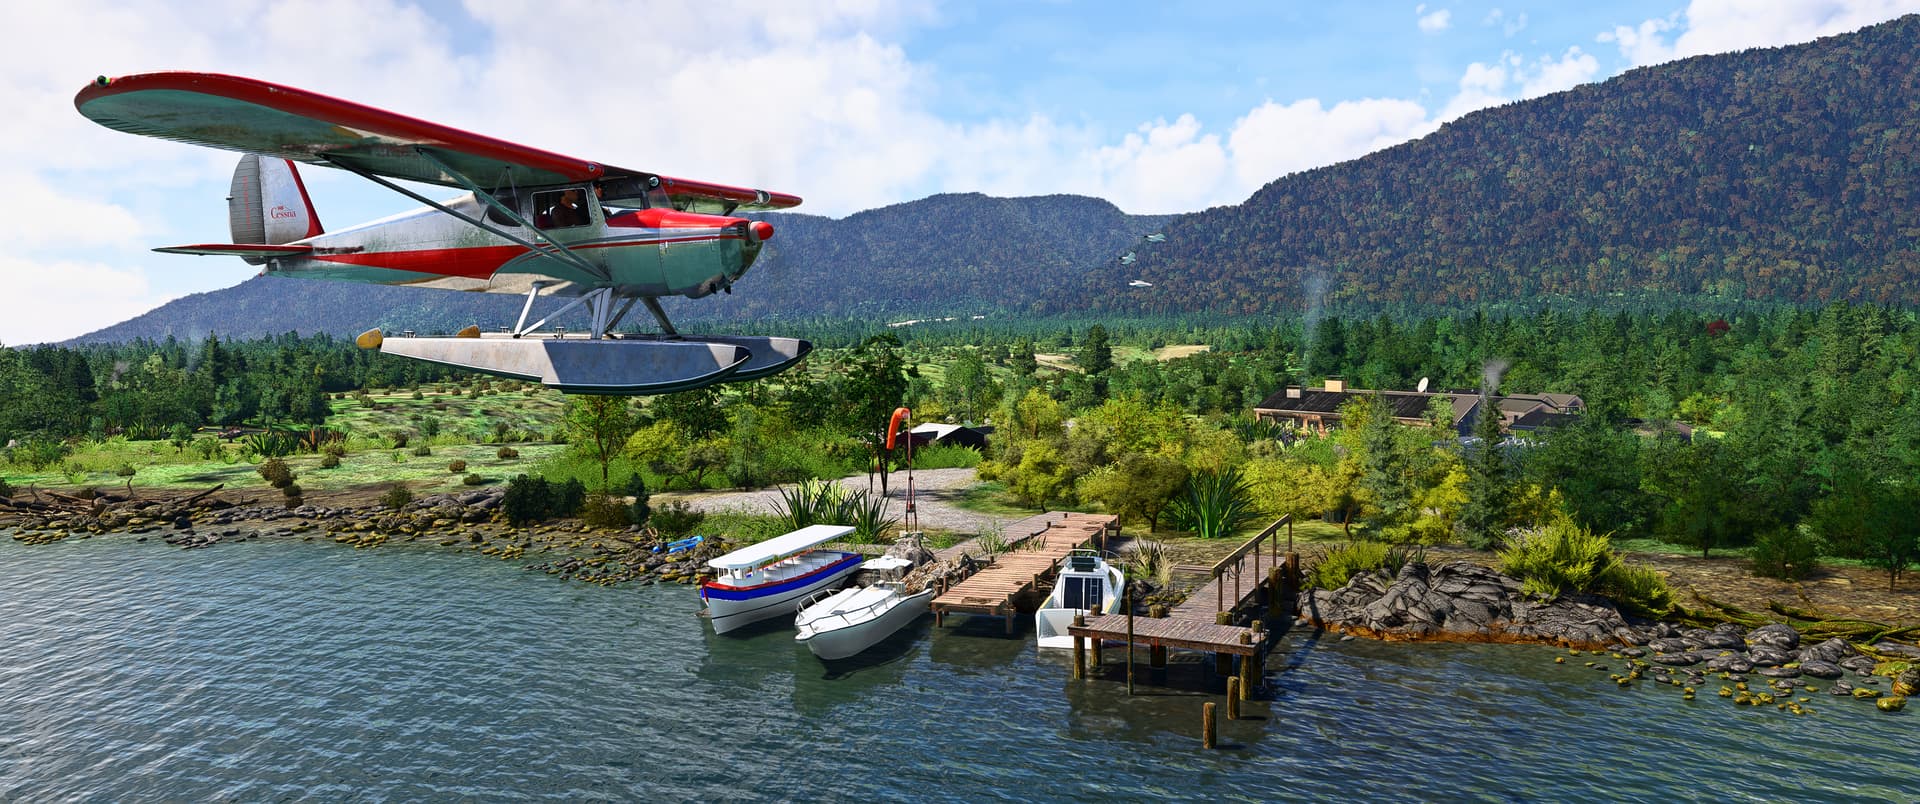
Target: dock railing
(1232,563)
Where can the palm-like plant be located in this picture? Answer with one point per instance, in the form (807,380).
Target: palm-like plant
(1216,504)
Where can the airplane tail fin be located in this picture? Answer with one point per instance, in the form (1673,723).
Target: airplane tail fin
(268,204)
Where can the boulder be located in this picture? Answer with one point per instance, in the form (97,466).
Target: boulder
(1775,635)
(1767,656)
(1680,659)
(1820,669)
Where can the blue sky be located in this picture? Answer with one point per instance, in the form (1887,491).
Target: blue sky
(854,104)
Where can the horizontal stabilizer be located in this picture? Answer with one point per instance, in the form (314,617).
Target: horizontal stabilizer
(237,249)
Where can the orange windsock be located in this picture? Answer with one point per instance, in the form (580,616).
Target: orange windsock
(893,425)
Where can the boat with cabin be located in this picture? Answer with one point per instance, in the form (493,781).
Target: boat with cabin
(1087,584)
(839,624)
(764,581)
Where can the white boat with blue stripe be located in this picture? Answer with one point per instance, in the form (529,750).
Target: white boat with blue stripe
(767,580)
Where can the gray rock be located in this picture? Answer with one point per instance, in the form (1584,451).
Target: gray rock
(1775,635)
(1779,672)
(1669,645)
(1820,669)
(1725,640)
(1897,649)
(1682,659)
(1832,651)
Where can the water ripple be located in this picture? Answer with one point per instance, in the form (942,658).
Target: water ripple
(310,671)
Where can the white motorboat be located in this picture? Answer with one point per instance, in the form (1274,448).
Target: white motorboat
(763,581)
(836,625)
(1087,585)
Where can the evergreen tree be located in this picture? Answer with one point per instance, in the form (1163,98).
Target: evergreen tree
(1489,488)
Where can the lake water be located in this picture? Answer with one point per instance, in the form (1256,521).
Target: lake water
(297,670)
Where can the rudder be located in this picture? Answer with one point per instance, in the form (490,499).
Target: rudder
(268,204)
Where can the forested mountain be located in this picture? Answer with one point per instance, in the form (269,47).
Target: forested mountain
(946,254)
(1779,175)
(1790,174)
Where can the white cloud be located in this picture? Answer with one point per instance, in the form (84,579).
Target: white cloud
(1434,22)
(1508,25)
(1719,26)
(54,300)
(1276,139)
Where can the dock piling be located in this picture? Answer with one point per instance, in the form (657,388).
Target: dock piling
(1208,736)
(1233,699)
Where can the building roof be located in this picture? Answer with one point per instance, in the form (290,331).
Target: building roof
(1319,402)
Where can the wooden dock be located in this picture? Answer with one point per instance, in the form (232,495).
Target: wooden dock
(1035,547)
(1207,620)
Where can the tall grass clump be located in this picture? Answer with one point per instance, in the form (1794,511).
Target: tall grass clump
(1147,559)
(1638,591)
(1215,505)
(1345,561)
(823,502)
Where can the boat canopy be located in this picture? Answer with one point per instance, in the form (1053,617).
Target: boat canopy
(779,547)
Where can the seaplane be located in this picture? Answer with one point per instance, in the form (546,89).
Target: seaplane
(529,222)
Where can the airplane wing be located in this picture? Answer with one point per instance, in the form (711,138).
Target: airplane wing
(243,114)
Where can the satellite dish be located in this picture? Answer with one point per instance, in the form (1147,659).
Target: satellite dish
(1422,387)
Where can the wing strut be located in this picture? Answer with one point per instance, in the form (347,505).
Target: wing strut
(552,249)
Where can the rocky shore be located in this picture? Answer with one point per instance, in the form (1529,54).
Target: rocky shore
(467,521)
(1465,602)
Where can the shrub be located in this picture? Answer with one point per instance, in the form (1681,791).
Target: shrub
(1558,559)
(946,457)
(38,453)
(329,461)
(533,499)
(1787,553)
(417,395)
(1148,560)
(422,451)
(568,497)
(275,472)
(456,466)
(336,449)
(602,510)
(506,453)
(397,497)
(291,490)
(1345,561)
(399,456)
(473,480)
(1638,591)
(400,439)
(6,489)
(125,470)
(677,518)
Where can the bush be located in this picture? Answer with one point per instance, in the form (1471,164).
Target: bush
(533,499)
(291,490)
(6,489)
(335,449)
(400,439)
(946,457)
(397,497)
(456,466)
(125,470)
(1787,553)
(1345,561)
(38,453)
(604,511)
(506,453)
(677,518)
(473,480)
(417,395)
(422,451)
(275,472)
(637,489)
(329,461)
(1638,591)
(1561,558)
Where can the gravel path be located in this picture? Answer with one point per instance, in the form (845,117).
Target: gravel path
(935,492)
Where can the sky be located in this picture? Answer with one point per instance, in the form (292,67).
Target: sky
(852,104)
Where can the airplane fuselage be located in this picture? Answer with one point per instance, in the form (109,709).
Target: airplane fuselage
(645,252)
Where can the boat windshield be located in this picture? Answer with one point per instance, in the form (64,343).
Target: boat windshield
(1081,593)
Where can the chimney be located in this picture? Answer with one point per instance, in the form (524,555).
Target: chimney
(1293,392)
(1336,385)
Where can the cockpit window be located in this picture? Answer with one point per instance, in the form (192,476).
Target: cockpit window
(495,216)
(560,209)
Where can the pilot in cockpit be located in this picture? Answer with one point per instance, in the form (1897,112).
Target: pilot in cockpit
(567,211)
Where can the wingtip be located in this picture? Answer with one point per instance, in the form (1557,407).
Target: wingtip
(371,339)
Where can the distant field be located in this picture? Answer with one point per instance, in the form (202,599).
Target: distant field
(1166,353)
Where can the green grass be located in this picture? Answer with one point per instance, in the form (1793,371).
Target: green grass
(158,466)
(1743,553)
(462,420)
(992,498)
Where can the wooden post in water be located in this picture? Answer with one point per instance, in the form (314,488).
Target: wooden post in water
(1223,618)
(1097,642)
(1233,699)
(1208,735)
(1129,640)
(1079,648)
(1009,610)
(1246,668)
(1275,604)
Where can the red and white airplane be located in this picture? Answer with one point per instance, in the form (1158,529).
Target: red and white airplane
(530,222)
